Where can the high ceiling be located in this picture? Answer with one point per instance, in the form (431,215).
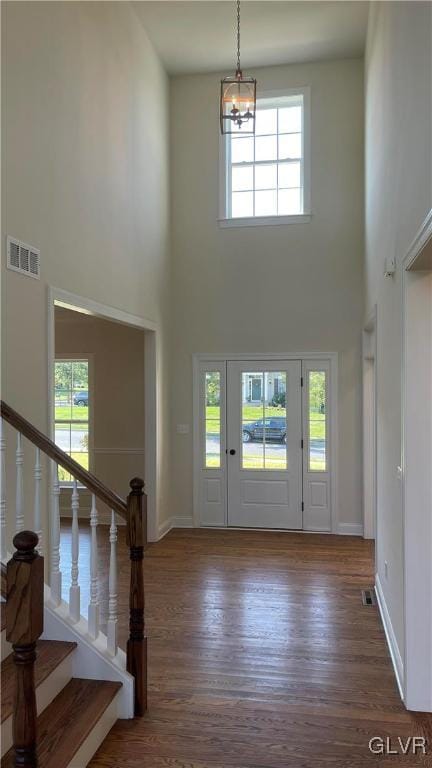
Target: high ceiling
(199,36)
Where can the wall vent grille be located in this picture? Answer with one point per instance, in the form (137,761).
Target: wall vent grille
(23,258)
(368,597)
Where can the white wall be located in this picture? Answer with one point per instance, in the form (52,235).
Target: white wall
(398,197)
(85,179)
(117,396)
(271,289)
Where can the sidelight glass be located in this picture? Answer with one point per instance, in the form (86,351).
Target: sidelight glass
(212,420)
(264,421)
(317,421)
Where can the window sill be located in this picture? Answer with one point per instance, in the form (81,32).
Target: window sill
(264,221)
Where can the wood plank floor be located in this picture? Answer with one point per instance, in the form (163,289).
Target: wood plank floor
(261,655)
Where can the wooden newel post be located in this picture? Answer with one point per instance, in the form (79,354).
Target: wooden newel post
(24,624)
(137,643)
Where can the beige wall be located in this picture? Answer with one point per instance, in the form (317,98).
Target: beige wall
(398,197)
(117,396)
(85,179)
(294,288)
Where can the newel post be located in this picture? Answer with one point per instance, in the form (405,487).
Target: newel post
(137,643)
(24,624)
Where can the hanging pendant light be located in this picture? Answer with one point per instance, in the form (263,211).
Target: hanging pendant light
(238,97)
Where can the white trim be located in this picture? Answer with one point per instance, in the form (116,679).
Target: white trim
(119,451)
(164,528)
(224,191)
(420,241)
(88,306)
(416,476)
(212,357)
(59,297)
(247,356)
(182,522)
(350,529)
(175,522)
(370,430)
(263,221)
(393,647)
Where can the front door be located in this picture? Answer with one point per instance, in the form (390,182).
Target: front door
(263,444)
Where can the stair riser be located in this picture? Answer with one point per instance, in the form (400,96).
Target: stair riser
(97,735)
(45,693)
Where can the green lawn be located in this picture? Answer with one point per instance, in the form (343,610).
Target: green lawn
(81,458)
(65,412)
(255,412)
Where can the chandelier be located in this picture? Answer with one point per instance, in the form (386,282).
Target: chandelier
(238,97)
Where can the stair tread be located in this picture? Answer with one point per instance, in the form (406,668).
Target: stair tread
(65,724)
(50,653)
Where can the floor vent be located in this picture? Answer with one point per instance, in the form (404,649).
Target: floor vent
(368,597)
(23,258)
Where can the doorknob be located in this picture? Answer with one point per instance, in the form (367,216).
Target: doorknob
(232,452)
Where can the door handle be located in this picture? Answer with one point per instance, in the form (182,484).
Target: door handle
(232,452)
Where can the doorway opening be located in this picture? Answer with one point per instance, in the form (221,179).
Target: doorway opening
(416,469)
(102,394)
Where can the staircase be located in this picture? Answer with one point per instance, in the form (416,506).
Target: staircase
(64,682)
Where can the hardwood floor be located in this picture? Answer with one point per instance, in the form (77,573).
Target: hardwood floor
(261,655)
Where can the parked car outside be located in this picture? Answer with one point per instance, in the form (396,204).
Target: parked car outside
(273,429)
(80,398)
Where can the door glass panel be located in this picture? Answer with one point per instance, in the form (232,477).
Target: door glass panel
(264,420)
(275,420)
(317,388)
(212,420)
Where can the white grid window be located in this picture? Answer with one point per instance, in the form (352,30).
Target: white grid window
(265,174)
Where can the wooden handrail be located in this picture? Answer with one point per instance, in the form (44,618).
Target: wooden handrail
(134,511)
(55,453)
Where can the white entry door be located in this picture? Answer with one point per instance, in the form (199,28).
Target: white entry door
(264,444)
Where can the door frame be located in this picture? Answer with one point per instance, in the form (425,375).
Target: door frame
(212,357)
(150,355)
(416,677)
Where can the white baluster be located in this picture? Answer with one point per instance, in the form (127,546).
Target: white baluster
(19,501)
(37,500)
(93,609)
(3,554)
(56,577)
(112,590)
(74,592)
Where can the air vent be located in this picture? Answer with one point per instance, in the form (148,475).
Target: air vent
(368,597)
(23,258)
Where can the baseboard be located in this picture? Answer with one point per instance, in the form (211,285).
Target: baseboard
(182,522)
(350,529)
(164,528)
(174,522)
(390,637)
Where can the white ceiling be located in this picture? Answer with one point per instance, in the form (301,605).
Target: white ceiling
(199,36)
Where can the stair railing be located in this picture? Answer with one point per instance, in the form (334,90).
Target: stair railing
(133,511)
(24,626)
